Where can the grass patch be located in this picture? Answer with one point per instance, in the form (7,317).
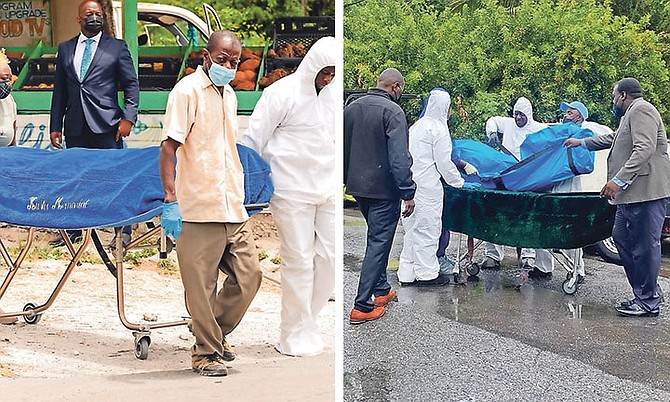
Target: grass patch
(136,257)
(276,260)
(37,252)
(168,264)
(262,256)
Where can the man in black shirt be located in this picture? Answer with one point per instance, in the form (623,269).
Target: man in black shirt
(377,173)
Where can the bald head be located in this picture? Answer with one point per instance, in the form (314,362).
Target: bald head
(84,5)
(391,81)
(223,38)
(90,18)
(389,77)
(224,49)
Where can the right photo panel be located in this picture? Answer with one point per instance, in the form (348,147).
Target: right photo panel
(506,200)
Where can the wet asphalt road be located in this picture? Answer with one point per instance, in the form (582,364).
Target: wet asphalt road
(489,341)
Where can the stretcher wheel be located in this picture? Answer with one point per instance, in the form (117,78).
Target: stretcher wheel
(570,290)
(142,347)
(473,269)
(31,318)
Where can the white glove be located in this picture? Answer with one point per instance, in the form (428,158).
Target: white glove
(469,169)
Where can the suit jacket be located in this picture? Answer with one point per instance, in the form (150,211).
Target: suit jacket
(638,154)
(95,98)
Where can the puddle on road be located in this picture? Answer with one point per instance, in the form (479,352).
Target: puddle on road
(635,349)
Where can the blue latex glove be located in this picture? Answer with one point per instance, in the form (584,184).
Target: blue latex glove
(468,184)
(171,219)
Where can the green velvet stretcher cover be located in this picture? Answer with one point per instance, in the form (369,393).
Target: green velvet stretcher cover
(526,219)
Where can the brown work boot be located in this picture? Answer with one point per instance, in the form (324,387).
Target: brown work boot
(381,301)
(7,320)
(228,352)
(209,365)
(359,317)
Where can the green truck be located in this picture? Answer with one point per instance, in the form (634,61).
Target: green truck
(165,42)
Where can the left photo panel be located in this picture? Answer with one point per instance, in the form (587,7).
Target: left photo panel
(170,200)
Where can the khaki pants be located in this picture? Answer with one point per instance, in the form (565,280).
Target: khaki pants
(202,249)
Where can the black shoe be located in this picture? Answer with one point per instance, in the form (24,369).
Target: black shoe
(490,263)
(413,283)
(537,274)
(634,310)
(60,242)
(439,281)
(627,303)
(580,279)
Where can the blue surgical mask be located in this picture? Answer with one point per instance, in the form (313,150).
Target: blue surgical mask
(5,89)
(220,75)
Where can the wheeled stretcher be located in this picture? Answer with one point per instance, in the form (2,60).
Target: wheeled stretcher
(92,189)
(552,221)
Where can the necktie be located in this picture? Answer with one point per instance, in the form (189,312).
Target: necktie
(86,59)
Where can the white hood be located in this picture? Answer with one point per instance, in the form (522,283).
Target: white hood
(438,105)
(523,105)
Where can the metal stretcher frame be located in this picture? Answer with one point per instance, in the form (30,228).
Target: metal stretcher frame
(552,221)
(32,312)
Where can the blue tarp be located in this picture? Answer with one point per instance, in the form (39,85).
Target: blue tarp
(545,161)
(91,188)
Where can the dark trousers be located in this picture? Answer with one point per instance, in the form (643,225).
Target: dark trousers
(382,218)
(89,139)
(443,243)
(637,235)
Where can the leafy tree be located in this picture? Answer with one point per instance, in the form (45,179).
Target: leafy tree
(547,50)
(254,19)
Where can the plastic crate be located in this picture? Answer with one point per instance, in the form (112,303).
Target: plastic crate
(287,63)
(16,65)
(305,30)
(155,82)
(42,66)
(158,66)
(32,82)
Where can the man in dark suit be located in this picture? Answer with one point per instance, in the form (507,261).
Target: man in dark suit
(90,68)
(638,170)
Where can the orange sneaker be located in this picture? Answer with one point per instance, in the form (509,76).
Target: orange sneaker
(359,317)
(381,301)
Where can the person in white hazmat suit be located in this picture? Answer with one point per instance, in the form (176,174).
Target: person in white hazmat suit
(293,128)
(430,147)
(514,131)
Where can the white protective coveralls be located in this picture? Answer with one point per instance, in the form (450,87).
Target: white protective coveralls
(430,147)
(293,128)
(513,137)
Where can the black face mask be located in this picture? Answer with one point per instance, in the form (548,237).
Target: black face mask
(93,24)
(5,89)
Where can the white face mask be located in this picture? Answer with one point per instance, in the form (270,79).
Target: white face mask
(220,75)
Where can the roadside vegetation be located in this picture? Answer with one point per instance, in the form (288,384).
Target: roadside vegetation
(488,53)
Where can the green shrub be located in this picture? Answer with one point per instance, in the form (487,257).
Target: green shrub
(546,50)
